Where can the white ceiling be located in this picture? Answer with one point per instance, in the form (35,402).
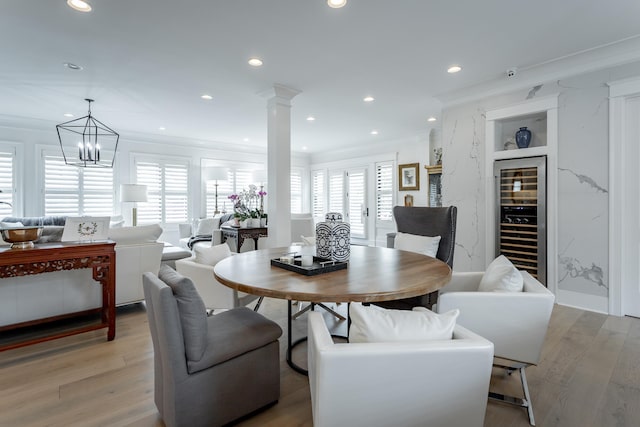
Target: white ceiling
(146,62)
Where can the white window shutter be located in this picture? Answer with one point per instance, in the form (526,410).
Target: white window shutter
(384,191)
(70,190)
(318,198)
(296,191)
(7,184)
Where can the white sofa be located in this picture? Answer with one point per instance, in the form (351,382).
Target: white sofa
(51,294)
(203,227)
(420,383)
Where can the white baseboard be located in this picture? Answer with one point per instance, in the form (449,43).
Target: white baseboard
(583,301)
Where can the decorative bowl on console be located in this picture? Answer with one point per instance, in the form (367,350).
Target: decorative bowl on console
(21,237)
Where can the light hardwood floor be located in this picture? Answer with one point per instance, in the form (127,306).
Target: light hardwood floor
(589,376)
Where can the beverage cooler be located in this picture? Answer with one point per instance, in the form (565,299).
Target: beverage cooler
(521,213)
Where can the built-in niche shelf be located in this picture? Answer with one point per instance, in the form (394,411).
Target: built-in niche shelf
(506,128)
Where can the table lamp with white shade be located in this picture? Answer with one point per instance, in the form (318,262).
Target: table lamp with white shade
(133,193)
(216,174)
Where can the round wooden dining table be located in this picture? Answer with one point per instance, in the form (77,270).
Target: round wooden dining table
(372,274)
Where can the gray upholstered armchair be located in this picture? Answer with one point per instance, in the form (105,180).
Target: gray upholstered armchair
(208,371)
(424,221)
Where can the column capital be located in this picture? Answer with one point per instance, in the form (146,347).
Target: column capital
(279,91)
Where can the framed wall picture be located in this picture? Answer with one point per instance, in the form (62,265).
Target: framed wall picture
(409,176)
(408,200)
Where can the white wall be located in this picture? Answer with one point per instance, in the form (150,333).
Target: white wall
(582,180)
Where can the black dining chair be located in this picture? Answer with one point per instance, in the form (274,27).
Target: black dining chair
(424,221)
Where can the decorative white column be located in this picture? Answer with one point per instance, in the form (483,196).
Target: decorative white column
(279,163)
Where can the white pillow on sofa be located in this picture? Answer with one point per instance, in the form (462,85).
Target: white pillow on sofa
(211,255)
(376,324)
(425,245)
(137,234)
(205,226)
(501,276)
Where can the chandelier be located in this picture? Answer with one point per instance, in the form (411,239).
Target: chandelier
(87,142)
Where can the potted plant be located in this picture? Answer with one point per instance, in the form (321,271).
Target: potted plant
(263,219)
(255,218)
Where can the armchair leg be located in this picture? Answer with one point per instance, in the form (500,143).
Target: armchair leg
(257,307)
(522,402)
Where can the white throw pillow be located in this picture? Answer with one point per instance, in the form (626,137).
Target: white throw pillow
(421,244)
(10,224)
(501,276)
(211,255)
(205,226)
(133,235)
(376,324)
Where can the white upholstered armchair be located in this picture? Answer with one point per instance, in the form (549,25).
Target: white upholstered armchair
(516,322)
(424,383)
(199,268)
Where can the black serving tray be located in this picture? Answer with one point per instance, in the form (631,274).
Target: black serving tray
(312,270)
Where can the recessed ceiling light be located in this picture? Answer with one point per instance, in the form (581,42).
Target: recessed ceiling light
(207,97)
(246,140)
(431,119)
(304,147)
(79,5)
(368,99)
(71,66)
(374,132)
(311,119)
(255,62)
(454,69)
(162,128)
(336,4)
(68,115)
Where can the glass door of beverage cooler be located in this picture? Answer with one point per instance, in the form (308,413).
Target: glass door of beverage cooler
(521,213)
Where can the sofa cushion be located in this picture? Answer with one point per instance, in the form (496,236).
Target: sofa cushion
(376,324)
(224,330)
(501,276)
(51,233)
(425,245)
(193,313)
(205,226)
(211,255)
(138,234)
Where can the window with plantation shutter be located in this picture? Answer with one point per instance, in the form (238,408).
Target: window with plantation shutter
(384,191)
(167,191)
(296,191)
(318,197)
(70,190)
(336,191)
(237,180)
(356,202)
(7,183)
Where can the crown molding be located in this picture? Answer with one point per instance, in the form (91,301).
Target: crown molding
(599,58)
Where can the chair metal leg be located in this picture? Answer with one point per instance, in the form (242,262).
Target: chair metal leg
(516,401)
(258,304)
(310,307)
(301,311)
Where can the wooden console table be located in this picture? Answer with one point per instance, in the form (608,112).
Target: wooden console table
(48,257)
(239,234)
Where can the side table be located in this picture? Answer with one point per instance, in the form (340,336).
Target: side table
(239,234)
